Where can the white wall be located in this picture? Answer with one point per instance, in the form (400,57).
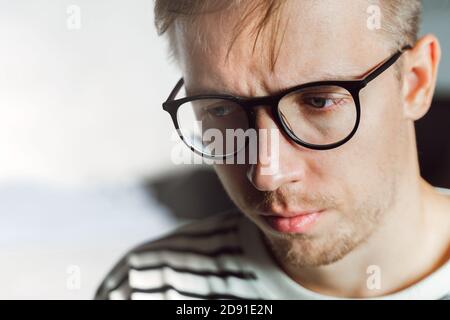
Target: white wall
(82,105)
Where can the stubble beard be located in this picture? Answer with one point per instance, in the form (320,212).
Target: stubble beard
(352,231)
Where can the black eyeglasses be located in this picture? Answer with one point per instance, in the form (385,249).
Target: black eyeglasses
(317,115)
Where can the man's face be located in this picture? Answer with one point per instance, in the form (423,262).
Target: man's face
(352,186)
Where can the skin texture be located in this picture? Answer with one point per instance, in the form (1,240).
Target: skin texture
(378,210)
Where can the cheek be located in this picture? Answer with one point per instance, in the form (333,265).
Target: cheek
(382,129)
(381,111)
(371,158)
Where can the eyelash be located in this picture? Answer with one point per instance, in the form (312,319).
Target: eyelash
(335,106)
(330,108)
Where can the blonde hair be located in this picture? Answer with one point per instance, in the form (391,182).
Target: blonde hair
(401,19)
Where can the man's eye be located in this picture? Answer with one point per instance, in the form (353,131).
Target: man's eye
(220,111)
(322,102)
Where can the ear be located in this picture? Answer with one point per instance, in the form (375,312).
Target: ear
(420,70)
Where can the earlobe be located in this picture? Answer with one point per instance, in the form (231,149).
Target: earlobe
(420,74)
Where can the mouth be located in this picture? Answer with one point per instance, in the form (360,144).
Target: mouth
(292,222)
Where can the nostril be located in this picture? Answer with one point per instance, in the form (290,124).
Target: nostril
(261,180)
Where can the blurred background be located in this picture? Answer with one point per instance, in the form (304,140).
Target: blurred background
(85,148)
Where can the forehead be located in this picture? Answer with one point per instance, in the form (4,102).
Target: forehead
(312,40)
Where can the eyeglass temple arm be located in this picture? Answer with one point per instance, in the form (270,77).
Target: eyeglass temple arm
(385,65)
(175,90)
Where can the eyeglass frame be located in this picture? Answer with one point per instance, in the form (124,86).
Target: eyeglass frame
(248,104)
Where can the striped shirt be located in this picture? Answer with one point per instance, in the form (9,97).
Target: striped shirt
(223,257)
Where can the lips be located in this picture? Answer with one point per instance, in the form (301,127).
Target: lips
(293,222)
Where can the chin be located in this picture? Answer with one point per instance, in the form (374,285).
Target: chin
(313,250)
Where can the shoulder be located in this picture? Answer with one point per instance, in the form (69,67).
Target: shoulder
(198,260)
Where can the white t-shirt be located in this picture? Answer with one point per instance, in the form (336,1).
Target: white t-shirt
(224,257)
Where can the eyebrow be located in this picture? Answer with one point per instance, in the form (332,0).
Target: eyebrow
(196,91)
(324,77)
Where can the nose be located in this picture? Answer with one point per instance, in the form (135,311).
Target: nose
(279,160)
